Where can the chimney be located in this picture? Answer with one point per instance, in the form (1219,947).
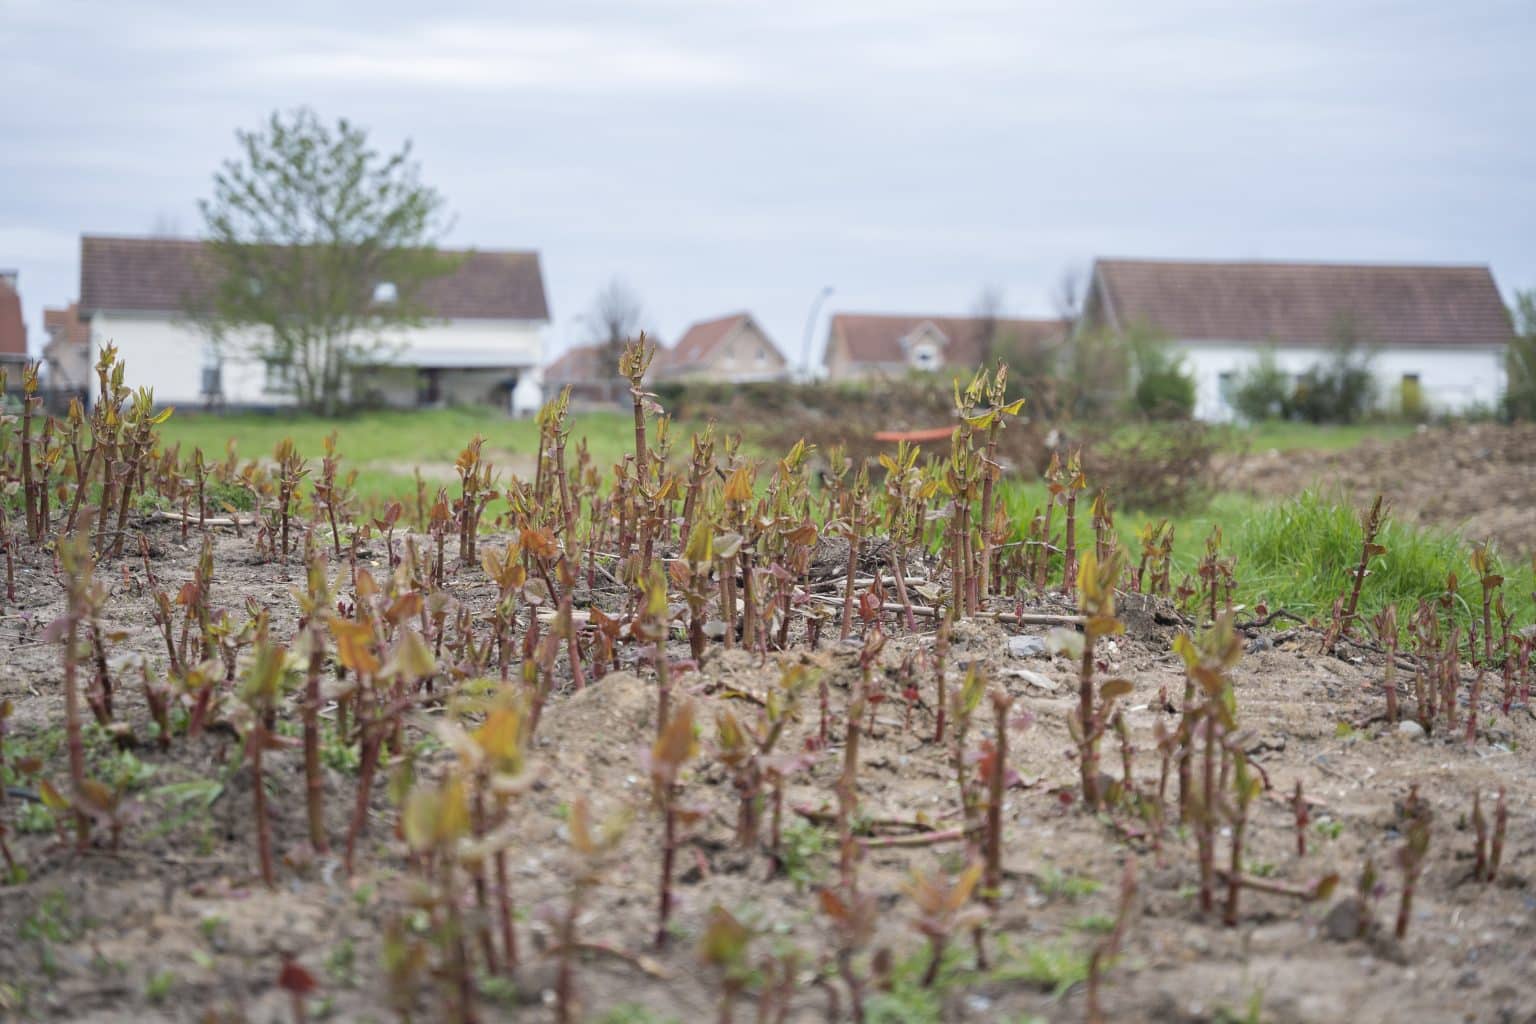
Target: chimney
(9,277)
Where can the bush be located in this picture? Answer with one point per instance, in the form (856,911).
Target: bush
(1263,391)
(1520,398)
(1164,389)
(1340,388)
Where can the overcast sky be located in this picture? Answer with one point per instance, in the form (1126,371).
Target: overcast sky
(724,156)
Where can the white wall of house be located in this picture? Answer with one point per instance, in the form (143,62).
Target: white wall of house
(1450,379)
(169,355)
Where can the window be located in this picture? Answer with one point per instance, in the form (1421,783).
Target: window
(762,355)
(925,357)
(1226,384)
(279,377)
(385,294)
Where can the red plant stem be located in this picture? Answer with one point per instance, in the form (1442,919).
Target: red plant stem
(1500,825)
(1480,830)
(996,780)
(1234,877)
(1089,748)
(314,781)
(668,857)
(1472,703)
(940,651)
(1069,558)
(1299,808)
(854,543)
(257,741)
(73,737)
(1207,823)
(504,911)
(368,762)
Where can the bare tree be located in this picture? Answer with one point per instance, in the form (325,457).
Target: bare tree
(1068,296)
(613,319)
(986,321)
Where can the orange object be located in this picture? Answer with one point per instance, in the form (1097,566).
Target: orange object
(915,436)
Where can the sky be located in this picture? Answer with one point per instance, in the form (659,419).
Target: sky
(721,156)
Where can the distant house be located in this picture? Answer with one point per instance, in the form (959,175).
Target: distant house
(67,352)
(865,345)
(592,374)
(1443,329)
(482,343)
(13,330)
(733,349)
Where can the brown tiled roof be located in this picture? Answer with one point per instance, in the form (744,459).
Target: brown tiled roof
(699,341)
(165,275)
(1303,303)
(65,325)
(578,363)
(13,329)
(877,338)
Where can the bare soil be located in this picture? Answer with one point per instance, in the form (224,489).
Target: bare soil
(175,924)
(1477,479)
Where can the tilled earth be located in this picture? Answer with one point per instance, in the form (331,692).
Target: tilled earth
(1477,479)
(175,925)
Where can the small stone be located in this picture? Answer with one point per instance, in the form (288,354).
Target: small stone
(1026,647)
(1468,979)
(1411,729)
(1345,920)
(1036,680)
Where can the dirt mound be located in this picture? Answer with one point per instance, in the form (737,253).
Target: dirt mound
(1478,480)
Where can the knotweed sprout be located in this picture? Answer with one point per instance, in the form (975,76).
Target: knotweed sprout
(944,909)
(594,847)
(1410,856)
(724,946)
(853,915)
(1087,724)
(675,746)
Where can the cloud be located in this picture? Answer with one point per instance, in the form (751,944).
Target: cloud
(492,56)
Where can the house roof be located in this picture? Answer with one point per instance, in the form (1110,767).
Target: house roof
(877,338)
(166,275)
(578,363)
(64,326)
(1302,303)
(13,329)
(699,342)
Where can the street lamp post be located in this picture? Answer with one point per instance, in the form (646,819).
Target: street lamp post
(810,326)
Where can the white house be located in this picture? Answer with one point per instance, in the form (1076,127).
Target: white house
(1441,328)
(482,342)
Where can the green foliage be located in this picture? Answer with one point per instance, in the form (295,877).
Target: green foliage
(1050,965)
(1339,388)
(803,848)
(633,1013)
(1520,363)
(1263,390)
(1164,388)
(302,227)
(1054,883)
(1297,554)
(159,985)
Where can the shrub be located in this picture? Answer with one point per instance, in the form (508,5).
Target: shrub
(1340,388)
(1263,390)
(1520,363)
(1164,388)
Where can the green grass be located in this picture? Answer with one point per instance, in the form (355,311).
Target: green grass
(1297,554)
(385,446)
(1287,436)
